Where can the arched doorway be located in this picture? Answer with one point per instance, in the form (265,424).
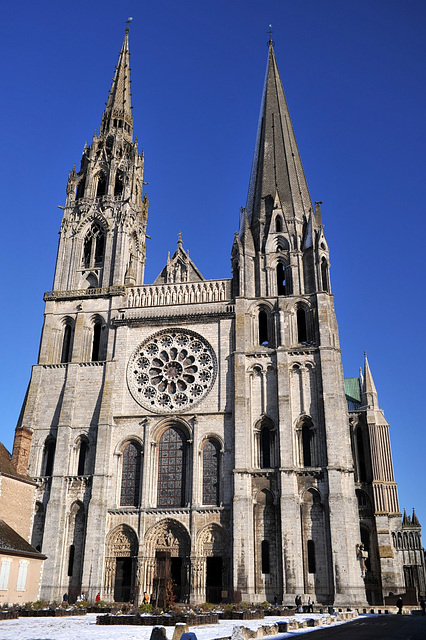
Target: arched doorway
(168,561)
(121,561)
(212,578)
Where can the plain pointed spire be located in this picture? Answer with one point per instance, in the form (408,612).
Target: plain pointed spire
(118,111)
(369,386)
(277,167)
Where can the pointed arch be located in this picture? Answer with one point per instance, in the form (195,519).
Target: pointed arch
(48,456)
(306,433)
(172,462)
(119,183)
(325,278)
(211,472)
(131,475)
(67,339)
(83,455)
(278,224)
(120,563)
(283,279)
(81,186)
(101,185)
(94,246)
(98,339)
(38,526)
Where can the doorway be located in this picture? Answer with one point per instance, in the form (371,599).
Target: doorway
(214,579)
(123,579)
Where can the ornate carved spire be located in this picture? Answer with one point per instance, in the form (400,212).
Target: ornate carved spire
(118,111)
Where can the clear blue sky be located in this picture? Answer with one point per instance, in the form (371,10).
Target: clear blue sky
(354,75)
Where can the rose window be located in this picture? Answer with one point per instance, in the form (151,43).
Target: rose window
(171,371)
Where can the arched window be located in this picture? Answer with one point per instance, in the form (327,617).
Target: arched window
(96,344)
(171,469)
(82,457)
(265,556)
(281,283)
(211,473)
(265,447)
(118,186)
(324,275)
(362,471)
(102,183)
(80,188)
(236,279)
(306,446)
(94,247)
(67,342)
(130,475)
(38,526)
(278,224)
(263,328)
(311,557)
(302,333)
(48,456)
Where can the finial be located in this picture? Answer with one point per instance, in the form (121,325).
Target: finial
(128,21)
(180,239)
(270,41)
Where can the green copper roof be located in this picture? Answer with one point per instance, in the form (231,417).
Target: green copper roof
(353,393)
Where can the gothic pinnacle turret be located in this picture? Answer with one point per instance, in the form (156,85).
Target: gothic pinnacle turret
(277,168)
(118,111)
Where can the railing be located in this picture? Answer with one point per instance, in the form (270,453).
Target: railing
(179,293)
(91,292)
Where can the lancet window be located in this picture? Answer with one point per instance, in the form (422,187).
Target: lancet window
(67,341)
(131,475)
(94,247)
(211,452)
(172,469)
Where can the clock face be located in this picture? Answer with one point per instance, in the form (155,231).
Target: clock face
(171,371)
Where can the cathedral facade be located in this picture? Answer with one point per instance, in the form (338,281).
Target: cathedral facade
(196,433)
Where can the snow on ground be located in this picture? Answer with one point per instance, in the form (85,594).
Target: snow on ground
(85,628)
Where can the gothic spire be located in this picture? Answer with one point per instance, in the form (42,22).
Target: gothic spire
(369,386)
(118,111)
(277,167)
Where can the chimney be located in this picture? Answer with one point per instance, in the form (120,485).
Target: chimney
(21,449)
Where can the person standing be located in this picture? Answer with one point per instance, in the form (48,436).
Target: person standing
(423,606)
(399,604)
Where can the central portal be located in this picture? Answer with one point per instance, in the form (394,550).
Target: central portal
(214,580)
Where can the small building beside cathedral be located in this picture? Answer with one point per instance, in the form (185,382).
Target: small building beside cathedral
(199,433)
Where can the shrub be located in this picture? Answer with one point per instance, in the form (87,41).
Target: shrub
(145,608)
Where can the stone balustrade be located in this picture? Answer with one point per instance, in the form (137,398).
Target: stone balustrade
(179,293)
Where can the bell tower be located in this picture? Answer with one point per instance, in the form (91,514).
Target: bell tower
(102,236)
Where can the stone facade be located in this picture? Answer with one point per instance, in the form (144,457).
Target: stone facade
(197,431)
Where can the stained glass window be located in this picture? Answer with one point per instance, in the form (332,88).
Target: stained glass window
(130,479)
(211,473)
(171,469)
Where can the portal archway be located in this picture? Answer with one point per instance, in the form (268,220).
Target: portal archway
(121,564)
(167,562)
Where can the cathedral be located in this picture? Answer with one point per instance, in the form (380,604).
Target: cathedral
(198,434)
